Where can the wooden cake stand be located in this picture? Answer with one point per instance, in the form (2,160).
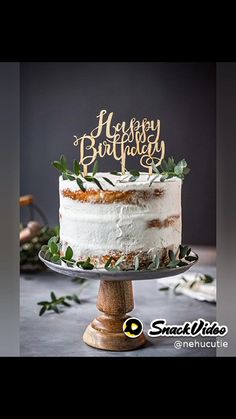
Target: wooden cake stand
(115,300)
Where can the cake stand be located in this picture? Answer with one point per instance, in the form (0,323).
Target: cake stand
(115,300)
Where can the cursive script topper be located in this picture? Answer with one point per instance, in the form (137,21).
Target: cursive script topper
(123,139)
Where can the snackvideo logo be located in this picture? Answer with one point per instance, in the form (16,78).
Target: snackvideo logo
(197,327)
(133,328)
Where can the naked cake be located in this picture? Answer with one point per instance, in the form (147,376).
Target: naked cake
(129,218)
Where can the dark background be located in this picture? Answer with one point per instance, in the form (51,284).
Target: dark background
(59,100)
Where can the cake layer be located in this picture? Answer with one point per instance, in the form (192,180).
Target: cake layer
(128,219)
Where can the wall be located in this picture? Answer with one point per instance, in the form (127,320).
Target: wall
(59,100)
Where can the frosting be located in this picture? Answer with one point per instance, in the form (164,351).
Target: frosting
(150,223)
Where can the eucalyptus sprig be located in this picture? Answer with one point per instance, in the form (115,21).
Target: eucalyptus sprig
(204,279)
(113,264)
(180,257)
(85,264)
(131,176)
(77,174)
(56,302)
(169,169)
(52,252)
(166,170)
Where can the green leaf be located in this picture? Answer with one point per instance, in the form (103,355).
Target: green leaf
(88,178)
(64,303)
(95,168)
(43,303)
(164,166)
(69,253)
(58,166)
(175,288)
(116,173)
(171,255)
(183,251)
(48,255)
(76,168)
(120,260)
(44,248)
(108,262)
(134,173)
(172,264)
(186,170)
(163,178)
(85,264)
(182,263)
(69,263)
(188,251)
(164,289)
(178,170)
(98,183)
(53,296)
(55,258)
(63,161)
(64,176)
(190,258)
(156,262)
(80,184)
(52,239)
(153,180)
(108,181)
(207,279)
(154,168)
(132,178)
(136,263)
(53,247)
(171,164)
(69,297)
(70,177)
(76,299)
(42,311)
(55,308)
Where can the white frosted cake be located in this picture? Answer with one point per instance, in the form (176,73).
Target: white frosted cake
(130,218)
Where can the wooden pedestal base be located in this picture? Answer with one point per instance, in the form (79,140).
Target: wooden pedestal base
(115,299)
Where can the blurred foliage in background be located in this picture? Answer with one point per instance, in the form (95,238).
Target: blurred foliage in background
(29,260)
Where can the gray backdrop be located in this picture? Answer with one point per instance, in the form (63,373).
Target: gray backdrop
(59,100)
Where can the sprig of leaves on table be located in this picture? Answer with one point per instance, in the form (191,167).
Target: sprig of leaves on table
(77,174)
(56,302)
(204,279)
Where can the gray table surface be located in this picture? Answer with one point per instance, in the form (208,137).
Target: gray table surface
(61,334)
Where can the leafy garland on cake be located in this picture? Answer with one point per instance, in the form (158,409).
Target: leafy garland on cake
(51,252)
(167,170)
(77,174)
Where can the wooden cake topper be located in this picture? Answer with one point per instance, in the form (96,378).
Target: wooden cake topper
(140,138)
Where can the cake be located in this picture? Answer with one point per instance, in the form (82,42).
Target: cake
(127,219)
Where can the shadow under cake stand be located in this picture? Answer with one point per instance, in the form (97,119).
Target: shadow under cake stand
(115,300)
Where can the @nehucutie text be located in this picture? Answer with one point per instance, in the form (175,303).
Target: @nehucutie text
(197,327)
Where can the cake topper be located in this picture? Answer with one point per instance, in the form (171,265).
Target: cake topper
(123,139)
